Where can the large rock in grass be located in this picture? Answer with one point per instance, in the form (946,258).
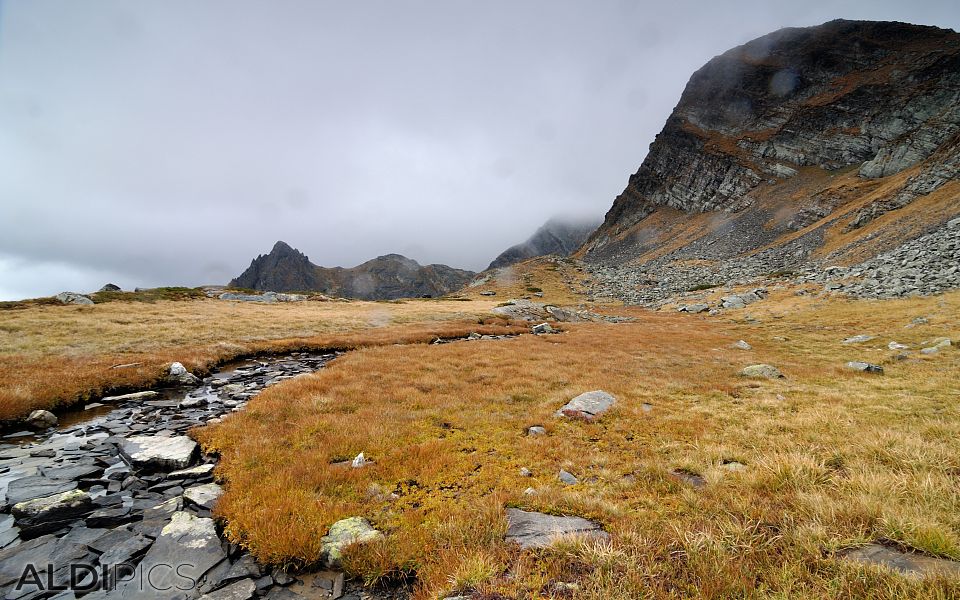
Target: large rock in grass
(73,298)
(588,405)
(46,515)
(762,371)
(156,453)
(186,549)
(353,530)
(539,530)
(915,565)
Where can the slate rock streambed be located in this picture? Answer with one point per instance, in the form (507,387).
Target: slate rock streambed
(122,488)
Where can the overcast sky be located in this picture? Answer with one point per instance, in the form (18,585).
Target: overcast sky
(168,143)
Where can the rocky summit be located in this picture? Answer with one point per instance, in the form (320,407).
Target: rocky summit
(286,269)
(560,236)
(807,147)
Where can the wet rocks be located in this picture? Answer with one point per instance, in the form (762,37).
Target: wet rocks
(188,541)
(588,405)
(761,371)
(353,530)
(204,495)
(41,419)
(146,395)
(73,298)
(131,502)
(178,375)
(865,367)
(159,453)
(45,515)
(539,530)
(36,486)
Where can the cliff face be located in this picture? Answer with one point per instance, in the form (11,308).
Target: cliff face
(828,115)
(557,236)
(383,278)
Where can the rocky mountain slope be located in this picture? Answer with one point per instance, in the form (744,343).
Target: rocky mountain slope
(388,277)
(557,236)
(826,145)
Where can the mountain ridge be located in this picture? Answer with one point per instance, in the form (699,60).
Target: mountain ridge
(386,277)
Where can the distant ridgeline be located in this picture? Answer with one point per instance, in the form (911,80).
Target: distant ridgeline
(387,277)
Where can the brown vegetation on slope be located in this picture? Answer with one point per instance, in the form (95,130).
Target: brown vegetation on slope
(833,458)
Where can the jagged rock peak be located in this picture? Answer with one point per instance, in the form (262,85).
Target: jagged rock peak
(286,269)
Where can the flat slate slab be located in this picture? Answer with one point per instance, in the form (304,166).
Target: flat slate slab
(187,543)
(158,452)
(588,405)
(539,530)
(915,565)
(37,486)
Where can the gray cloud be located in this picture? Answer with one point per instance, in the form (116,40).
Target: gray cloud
(169,143)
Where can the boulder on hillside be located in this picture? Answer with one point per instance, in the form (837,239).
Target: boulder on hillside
(42,419)
(588,405)
(110,288)
(73,298)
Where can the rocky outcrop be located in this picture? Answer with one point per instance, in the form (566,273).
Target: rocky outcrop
(383,278)
(558,236)
(875,100)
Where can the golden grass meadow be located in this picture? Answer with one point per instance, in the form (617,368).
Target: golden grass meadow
(832,458)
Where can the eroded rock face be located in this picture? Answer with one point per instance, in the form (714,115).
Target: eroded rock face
(882,97)
(539,530)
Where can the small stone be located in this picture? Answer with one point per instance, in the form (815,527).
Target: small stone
(359,461)
(865,367)
(204,495)
(536,430)
(741,345)
(915,565)
(588,405)
(858,339)
(542,328)
(239,590)
(525,472)
(897,346)
(539,530)
(42,419)
(343,533)
(567,478)
(160,453)
(529,492)
(762,371)
(48,514)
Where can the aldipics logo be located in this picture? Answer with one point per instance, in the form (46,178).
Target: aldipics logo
(83,577)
